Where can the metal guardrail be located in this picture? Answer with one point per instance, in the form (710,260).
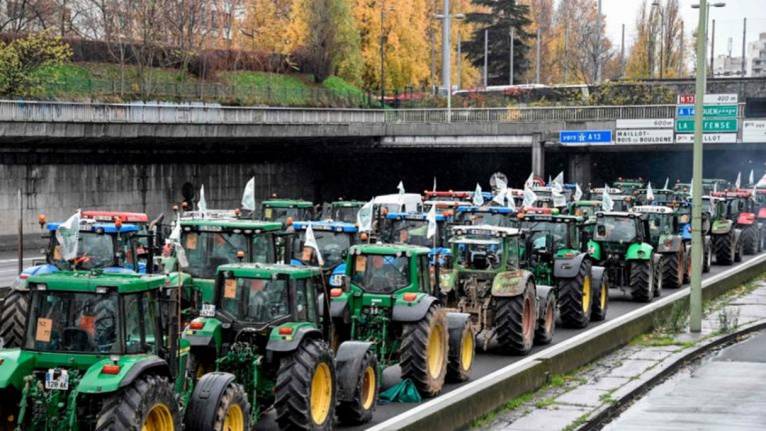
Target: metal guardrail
(139,113)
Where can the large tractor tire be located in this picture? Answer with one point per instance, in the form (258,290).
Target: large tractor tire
(305,389)
(147,404)
(738,249)
(218,404)
(424,352)
(749,238)
(461,353)
(724,248)
(707,257)
(600,301)
(576,298)
(546,318)
(360,409)
(13,319)
(642,280)
(515,321)
(672,270)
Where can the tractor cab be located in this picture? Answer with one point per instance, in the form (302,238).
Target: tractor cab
(412,229)
(663,223)
(622,200)
(342,211)
(585,208)
(485,247)
(662,197)
(629,185)
(283,210)
(333,238)
(739,205)
(491,216)
(549,237)
(546,198)
(94,342)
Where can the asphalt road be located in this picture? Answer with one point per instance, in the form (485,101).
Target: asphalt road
(485,363)
(9,268)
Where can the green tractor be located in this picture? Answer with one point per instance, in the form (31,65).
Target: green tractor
(341,211)
(286,210)
(629,185)
(269,326)
(665,237)
(621,244)
(508,310)
(390,298)
(100,352)
(210,242)
(554,254)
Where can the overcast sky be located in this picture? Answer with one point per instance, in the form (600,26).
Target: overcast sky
(728,21)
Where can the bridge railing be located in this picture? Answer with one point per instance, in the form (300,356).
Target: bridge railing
(206,114)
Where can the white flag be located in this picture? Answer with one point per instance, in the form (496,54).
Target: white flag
(400,187)
(667,180)
(478,198)
(68,236)
(649,192)
(738,183)
(755,190)
(558,182)
(175,240)
(530,181)
(752,178)
(311,242)
(715,187)
(762,181)
(559,200)
(529,197)
(578,192)
(364,216)
(607,204)
(691,187)
(202,203)
(434,184)
(431,217)
(502,191)
(248,196)
(510,202)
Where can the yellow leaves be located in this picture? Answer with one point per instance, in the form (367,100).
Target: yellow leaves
(272,25)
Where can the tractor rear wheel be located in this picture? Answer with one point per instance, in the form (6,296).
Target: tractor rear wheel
(230,413)
(13,319)
(361,408)
(749,238)
(724,248)
(305,388)
(600,301)
(424,352)
(461,353)
(672,270)
(707,257)
(546,319)
(515,321)
(147,404)
(641,280)
(576,298)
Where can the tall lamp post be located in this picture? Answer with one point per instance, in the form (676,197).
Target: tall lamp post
(446,18)
(695,296)
(657,4)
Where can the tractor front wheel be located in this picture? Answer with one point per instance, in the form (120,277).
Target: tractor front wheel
(576,298)
(642,280)
(515,321)
(230,413)
(461,353)
(424,352)
(546,319)
(724,248)
(148,404)
(749,238)
(600,301)
(13,319)
(361,408)
(305,389)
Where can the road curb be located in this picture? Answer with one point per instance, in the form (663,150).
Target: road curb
(608,411)
(456,409)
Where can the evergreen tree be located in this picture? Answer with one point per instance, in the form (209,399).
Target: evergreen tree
(499,17)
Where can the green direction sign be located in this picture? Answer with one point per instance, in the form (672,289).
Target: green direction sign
(708,125)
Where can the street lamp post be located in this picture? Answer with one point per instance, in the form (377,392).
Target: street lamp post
(662,35)
(695,296)
(446,18)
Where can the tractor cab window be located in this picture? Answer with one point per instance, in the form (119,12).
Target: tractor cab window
(659,224)
(538,229)
(255,299)
(413,232)
(586,211)
(479,253)
(140,316)
(485,218)
(281,214)
(331,245)
(344,214)
(263,248)
(615,229)
(94,250)
(73,322)
(377,273)
(206,251)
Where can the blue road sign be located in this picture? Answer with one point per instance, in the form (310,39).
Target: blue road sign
(570,137)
